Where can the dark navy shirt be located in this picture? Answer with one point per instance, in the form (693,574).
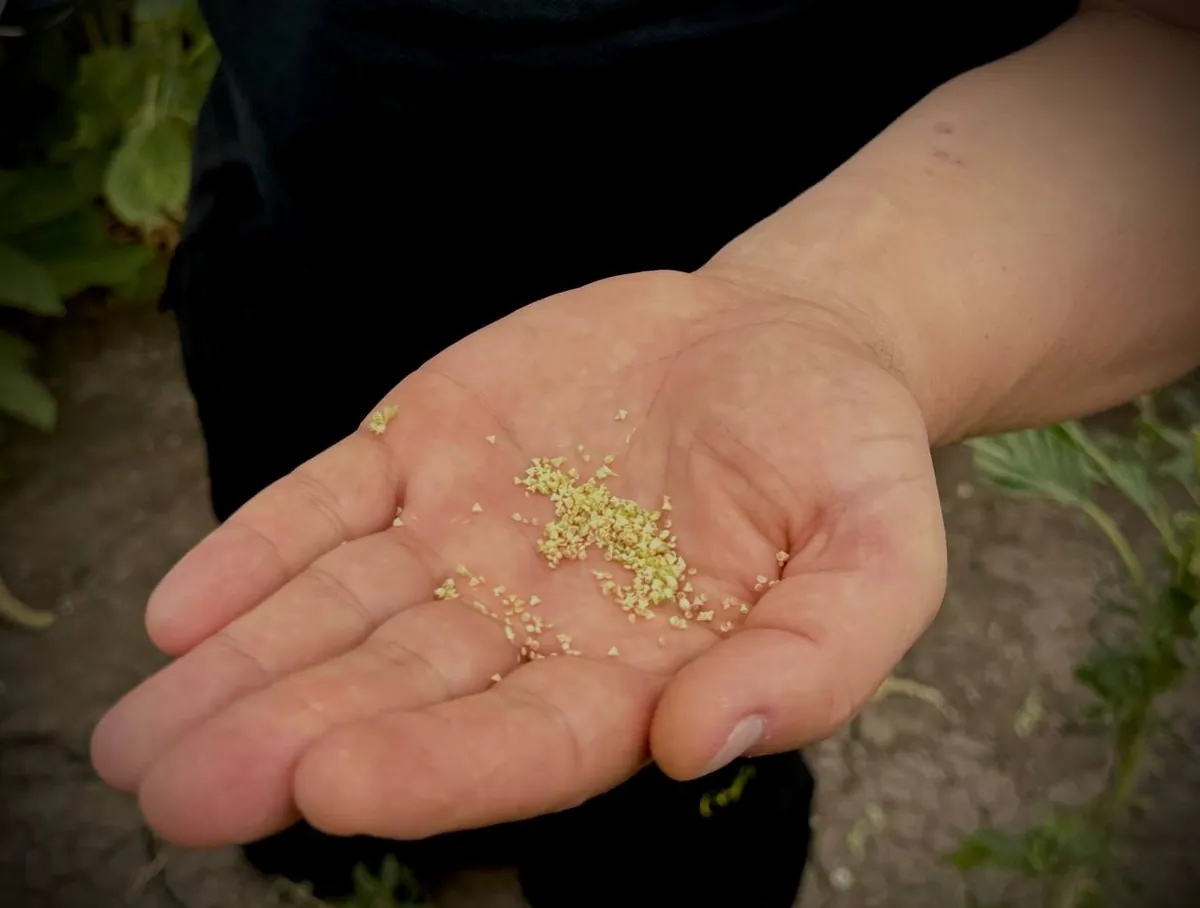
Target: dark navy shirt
(414,169)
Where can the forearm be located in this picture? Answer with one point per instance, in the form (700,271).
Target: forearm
(1026,240)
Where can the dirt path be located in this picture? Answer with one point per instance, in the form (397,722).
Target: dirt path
(100,509)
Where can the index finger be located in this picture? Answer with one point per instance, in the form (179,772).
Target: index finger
(346,492)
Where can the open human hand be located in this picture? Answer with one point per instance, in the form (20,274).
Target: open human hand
(320,676)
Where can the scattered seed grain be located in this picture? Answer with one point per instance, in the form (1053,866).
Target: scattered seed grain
(379,420)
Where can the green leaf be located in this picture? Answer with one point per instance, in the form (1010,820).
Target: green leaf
(1035,462)
(83,228)
(43,194)
(147,181)
(16,349)
(25,284)
(148,10)
(989,848)
(115,265)
(147,285)
(24,397)
(1130,477)
(111,87)
(78,252)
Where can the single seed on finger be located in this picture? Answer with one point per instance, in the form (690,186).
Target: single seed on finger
(614,652)
(477,508)
(491,439)
(496,677)
(621,414)
(379,420)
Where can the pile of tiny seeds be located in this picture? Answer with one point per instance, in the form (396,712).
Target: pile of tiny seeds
(588,515)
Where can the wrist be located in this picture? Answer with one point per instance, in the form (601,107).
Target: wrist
(846,248)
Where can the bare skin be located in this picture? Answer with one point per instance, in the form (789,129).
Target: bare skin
(785,397)
(352,695)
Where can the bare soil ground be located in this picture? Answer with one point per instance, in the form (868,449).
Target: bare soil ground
(94,514)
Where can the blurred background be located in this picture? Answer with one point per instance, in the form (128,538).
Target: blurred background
(1040,746)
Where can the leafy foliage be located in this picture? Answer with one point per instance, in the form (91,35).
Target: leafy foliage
(102,207)
(1137,658)
(395,886)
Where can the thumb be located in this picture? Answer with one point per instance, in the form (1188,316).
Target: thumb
(817,646)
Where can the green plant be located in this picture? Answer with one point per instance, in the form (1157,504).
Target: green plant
(1142,643)
(395,886)
(102,207)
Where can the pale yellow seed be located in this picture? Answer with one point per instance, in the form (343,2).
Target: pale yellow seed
(782,557)
(447,590)
(491,439)
(477,508)
(496,677)
(379,420)
(534,600)
(509,632)
(462,571)
(516,517)
(614,652)
(705,616)
(745,609)
(621,414)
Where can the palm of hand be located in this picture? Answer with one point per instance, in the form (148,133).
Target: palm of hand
(327,680)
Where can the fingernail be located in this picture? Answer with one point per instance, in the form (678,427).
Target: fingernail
(745,735)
